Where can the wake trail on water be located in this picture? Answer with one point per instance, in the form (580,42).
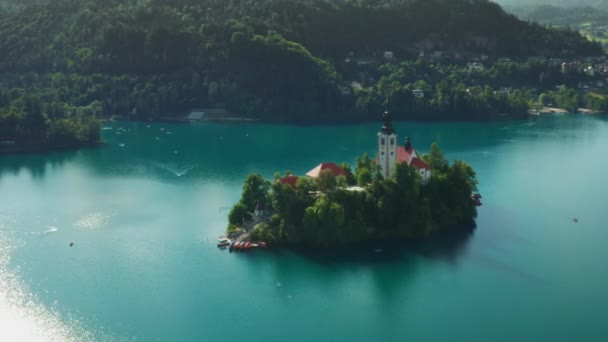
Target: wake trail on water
(175,169)
(49,230)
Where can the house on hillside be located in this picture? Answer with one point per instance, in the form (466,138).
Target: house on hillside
(475,66)
(389,56)
(418,93)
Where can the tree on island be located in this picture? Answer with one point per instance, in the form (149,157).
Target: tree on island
(326,181)
(255,191)
(436,159)
(239,214)
(364,169)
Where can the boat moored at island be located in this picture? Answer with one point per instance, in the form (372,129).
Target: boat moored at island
(223,244)
(476,198)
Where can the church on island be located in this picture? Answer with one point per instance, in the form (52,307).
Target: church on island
(389,154)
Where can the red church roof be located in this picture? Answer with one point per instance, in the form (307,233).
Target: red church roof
(335,170)
(420,164)
(403,154)
(290,180)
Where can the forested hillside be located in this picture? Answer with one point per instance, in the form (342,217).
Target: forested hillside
(270,59)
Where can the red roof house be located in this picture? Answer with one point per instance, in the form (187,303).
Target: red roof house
(335,170)
(290,180)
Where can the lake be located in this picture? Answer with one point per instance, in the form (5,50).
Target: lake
(144,213)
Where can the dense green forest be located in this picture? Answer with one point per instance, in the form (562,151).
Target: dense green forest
(28,124)
(322,212)
(280,60)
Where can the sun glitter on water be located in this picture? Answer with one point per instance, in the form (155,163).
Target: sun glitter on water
(22,317)
(93,221)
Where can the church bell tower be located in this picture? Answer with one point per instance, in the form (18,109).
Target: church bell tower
(387,146)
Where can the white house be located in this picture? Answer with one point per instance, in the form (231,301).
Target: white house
(418,93)
(475,67)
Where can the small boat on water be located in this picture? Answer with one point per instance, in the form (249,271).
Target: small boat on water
(262,244)
(222,244)
(476,198)
(247,245)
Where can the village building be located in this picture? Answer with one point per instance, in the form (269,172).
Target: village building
(335,170)
(389,153)
(418,93)
(475,67)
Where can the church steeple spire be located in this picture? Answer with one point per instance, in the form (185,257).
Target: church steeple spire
(387,145)
(387,127)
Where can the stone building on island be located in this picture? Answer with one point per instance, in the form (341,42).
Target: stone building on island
(390,153)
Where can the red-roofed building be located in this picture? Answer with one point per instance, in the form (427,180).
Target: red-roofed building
(290,180)
(389,153)
(333,168)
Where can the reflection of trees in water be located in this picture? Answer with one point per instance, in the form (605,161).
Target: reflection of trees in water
(447,246)
(391,265)
(36,164)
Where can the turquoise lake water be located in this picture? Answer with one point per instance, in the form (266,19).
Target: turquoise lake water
(145,210)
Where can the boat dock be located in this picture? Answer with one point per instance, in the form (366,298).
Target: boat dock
(240,240)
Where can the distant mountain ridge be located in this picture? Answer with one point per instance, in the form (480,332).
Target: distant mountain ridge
(567,16)
(556,15)
(559,3)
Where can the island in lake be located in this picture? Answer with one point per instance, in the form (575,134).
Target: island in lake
(398,195)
